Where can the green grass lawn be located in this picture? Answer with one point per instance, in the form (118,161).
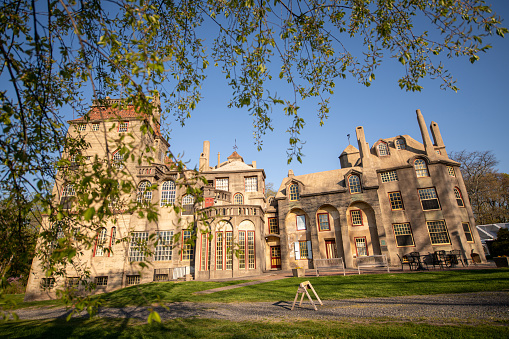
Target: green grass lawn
(328,287)
(210,328)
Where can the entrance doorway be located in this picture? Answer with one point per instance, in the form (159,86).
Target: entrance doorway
(330,249)
(275,257)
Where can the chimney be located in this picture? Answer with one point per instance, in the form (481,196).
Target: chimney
(218,159)
(437,137)
(363,147)
(426,140)
(205,156)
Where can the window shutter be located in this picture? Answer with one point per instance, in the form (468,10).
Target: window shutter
(297,250)
(310,252)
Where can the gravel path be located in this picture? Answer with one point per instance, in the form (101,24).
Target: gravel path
(466,307)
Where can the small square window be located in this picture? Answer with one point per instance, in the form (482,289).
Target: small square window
(450,171)
(133,280)
(301,222)
(81,127)
(400,144)
(123,126)
(389,176)
(273,226)
(323,221)
(95,127)
(396,200)
(47,283)
(251,184)
(222,184)
(101,281)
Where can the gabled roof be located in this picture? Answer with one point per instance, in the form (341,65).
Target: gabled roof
(349,150)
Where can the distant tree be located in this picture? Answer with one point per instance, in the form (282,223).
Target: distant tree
(488,190)
(500,246)
(270,190)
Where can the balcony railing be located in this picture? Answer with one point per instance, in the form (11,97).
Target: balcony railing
(233,210)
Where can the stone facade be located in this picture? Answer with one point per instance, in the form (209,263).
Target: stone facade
(396,197)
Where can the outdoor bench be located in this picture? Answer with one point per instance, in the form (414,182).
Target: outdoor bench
(328,264)
(372,261)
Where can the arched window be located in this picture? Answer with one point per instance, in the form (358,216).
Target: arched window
(99,243)
(144,193)
(294,192)
(400,144)
(187,204)
(118,160)
(421,170)
(354,183)
(459,198)
(383,149)
(168,193)
(238,199)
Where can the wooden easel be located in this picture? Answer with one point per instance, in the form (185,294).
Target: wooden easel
(303,288)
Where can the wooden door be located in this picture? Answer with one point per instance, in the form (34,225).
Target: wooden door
(330,249)
(275,257)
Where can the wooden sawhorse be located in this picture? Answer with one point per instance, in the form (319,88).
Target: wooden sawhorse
(303,288)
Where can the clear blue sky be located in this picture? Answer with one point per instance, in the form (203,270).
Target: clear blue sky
(475,118)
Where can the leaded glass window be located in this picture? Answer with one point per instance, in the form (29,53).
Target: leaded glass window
(438,232)
(163,250)
(168,193)
(389,176)
(421,169)
(354,183)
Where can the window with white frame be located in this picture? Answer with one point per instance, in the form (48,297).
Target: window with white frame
(251,184)
(301,222)
(123,126)
(187,248)
(204,259)
(356,216)
(144,192)
(459,198)
(219,250)
(222,184)
(133,280)
(238,199)
(383,149)
(403,234)
(251,255)
(389,176)
(168,190)
(188,204)
(438,232)
(163,250)
(100,242)
(450,171)
(242,249)
(137,246)
(118,160)
(429,199)
(360,246)
(421,169)
(400,143)
(303,250)
(354,184)
(294,192)
(95,127)
(229,250)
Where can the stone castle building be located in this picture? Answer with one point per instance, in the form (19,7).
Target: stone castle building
(396,197)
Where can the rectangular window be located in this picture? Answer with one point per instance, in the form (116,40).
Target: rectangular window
(251,260)
(163,250)
(273,226)
(72,282)
(251,184)
(360,246)
(450,171)
(303,249)
(222,184)
(81,127)
(123,126)
(323,221)
(356,216)
(242,249)
(438,232)
(95,127)
(219,250)
(229,249)
(162,274)
(204,253)
(133,280)
(47,283)
(187,247)
(429,199)
(403,234)
(137,246)
(301,222)
(389,176)
(101,281)
(468,232)
(396,201)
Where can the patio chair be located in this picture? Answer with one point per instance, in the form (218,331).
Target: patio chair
(458,256)
(418,262)
(406,260)
(436,260)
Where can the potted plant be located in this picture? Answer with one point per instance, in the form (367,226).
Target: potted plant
(299,272)
(500,248)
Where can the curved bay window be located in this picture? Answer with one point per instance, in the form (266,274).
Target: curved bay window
(294,192)
(238,199)
(421,169)
(144,192)
(354,184)
(168,193)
